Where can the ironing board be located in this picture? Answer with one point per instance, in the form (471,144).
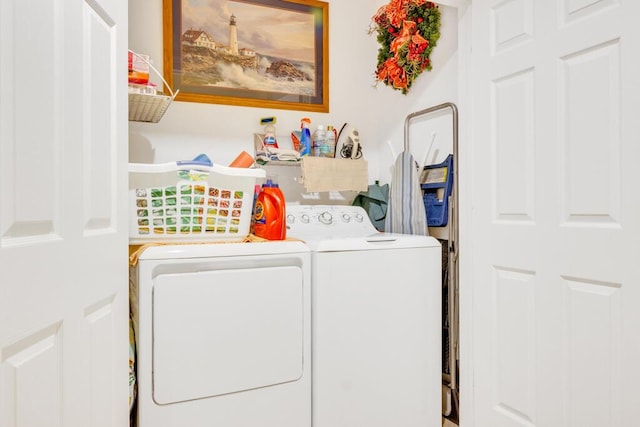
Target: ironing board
(405,166)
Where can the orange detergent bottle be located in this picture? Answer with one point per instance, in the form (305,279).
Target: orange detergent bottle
(270,216)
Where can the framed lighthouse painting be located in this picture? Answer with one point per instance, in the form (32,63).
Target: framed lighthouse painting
(254,53)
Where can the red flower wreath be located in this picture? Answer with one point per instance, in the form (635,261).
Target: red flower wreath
(407,31)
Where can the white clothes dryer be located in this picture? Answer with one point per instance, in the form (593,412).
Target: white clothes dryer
(223,335)
(376,320)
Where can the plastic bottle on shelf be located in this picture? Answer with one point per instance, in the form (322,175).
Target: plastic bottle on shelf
(305,137)
(270,214)
(330,147)
(318,141)
(269,131)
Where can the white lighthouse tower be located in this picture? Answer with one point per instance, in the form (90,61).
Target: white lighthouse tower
(233,36)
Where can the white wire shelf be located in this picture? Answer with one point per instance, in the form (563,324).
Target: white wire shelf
(146,107)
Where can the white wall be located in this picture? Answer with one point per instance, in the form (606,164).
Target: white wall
(378,112)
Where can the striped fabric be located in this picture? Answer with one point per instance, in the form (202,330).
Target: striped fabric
(406,213)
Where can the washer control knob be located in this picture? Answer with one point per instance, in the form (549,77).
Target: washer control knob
(346,217)
(325,218)
(304,218)
(359,217)
(291,219)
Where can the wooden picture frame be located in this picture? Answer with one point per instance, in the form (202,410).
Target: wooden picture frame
(254,53)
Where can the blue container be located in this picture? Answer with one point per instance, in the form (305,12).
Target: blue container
(436,183)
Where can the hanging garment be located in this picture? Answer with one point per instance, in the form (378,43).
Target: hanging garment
(375,202)
(406,212)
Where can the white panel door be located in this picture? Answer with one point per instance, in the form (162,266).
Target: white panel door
(63,235)
(556,218)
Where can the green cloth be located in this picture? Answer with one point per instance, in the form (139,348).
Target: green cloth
(375,202)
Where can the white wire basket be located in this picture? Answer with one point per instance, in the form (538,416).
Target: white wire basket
(145,107)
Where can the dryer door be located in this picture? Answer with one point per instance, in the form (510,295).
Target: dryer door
(226,331)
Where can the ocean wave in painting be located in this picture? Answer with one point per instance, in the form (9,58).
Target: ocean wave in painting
(235,77)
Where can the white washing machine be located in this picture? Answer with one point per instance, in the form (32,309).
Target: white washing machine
(376,320)
(223,335)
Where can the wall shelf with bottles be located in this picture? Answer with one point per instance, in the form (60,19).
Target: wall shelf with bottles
(284,156)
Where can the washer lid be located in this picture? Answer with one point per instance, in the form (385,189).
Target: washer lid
(380,241)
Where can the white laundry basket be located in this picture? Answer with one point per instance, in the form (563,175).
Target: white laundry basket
(186,201)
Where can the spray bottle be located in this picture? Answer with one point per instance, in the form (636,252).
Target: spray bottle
(305,137)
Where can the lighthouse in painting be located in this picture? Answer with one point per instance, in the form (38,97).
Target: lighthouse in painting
(233,36)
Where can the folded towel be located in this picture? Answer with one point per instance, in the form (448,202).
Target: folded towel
(282,154)
(285,155)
